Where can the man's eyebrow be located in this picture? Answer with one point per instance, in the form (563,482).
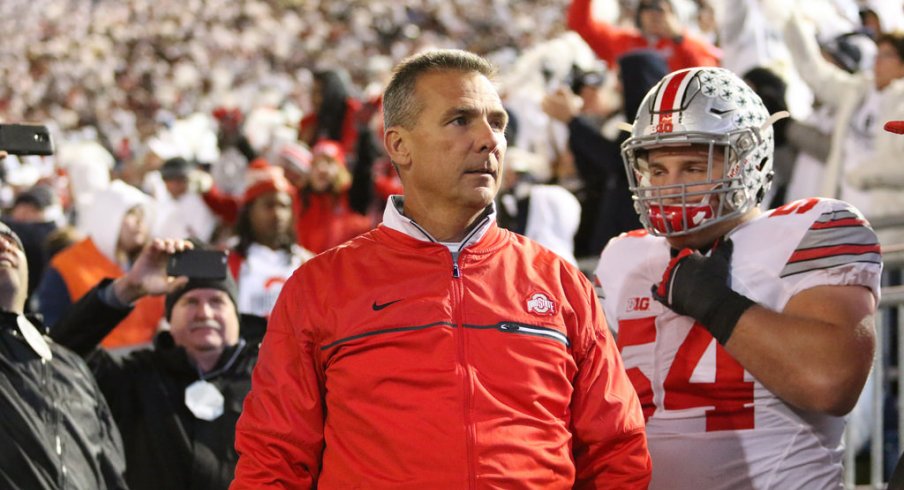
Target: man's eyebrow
(461,111)
(474,112)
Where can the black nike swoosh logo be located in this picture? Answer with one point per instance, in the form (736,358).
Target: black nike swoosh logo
(377,307)
(718,112)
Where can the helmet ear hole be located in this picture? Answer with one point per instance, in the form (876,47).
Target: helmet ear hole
(762,164)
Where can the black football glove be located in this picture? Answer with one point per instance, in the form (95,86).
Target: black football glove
(697,286)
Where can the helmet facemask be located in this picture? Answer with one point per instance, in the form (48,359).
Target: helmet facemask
(679,209)
(742,138)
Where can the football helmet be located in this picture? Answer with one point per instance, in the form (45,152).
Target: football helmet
(708,109)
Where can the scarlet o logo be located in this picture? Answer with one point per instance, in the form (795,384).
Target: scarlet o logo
(540,304)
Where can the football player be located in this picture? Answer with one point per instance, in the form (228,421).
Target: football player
(748,335)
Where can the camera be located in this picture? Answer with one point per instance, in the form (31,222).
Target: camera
(25,139)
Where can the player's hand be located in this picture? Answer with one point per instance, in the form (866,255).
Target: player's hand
(696,285)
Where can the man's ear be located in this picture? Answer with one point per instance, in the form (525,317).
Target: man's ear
(394,140)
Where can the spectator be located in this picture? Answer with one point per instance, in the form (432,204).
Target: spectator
(547,214)
(323,216)
(35,215)
(266,254)
(57,429)
(860,154)
(853,52)
(181,210)
(335,113)
(418,384)
(746,362)
(597,156)
(177,403)
(116,225)
(657,28)
(295,159)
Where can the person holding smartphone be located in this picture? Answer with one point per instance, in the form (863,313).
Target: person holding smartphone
(176,403)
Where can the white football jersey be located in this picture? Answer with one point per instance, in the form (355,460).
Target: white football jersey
(710,424)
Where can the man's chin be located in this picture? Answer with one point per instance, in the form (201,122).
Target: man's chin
(208,345)
(483,196)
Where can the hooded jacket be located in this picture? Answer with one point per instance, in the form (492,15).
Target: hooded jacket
(491,369)
(76,269)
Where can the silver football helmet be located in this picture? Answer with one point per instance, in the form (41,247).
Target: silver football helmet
(708,108)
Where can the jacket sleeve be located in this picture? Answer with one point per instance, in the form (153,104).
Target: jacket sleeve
(610,444)
(829,83)
(87,321)
(607,41)
(689,51)
(223,205)
(279,436)
(592,150)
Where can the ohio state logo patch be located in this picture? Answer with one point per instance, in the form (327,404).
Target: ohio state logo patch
(539,304)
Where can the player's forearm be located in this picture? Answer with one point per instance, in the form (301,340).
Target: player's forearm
(811,364)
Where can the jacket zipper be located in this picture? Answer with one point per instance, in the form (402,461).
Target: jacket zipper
(537,331)
(458,295)
(55,423)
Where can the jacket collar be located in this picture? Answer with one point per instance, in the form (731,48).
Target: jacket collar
(394,219)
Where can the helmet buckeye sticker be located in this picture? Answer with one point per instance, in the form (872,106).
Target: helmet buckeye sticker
(668,102)
(539,303)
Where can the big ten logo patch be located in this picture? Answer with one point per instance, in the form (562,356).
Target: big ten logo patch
(638,303)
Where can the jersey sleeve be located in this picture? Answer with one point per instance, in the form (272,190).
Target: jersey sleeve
(839,248)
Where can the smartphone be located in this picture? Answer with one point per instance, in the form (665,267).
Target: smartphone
(25,139)
(198,264)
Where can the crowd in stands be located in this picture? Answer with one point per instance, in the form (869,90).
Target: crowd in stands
(255,126)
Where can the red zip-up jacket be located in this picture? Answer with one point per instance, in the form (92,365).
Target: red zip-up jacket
(386,364)
(610,42)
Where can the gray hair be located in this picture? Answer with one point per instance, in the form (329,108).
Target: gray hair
(400,106)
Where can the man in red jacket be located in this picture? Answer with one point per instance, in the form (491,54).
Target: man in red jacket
(438,350)
(657,28)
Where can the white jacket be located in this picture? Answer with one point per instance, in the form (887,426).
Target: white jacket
(883,176)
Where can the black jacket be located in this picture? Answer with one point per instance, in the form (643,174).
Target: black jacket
(598,159)
(166,446)
(55,427)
